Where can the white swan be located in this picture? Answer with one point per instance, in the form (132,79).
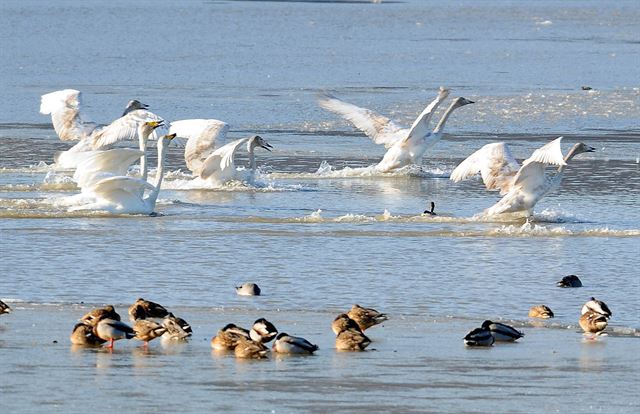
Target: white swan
(524,186)
(125,195)
(405,146)
(215,165)
(70,124)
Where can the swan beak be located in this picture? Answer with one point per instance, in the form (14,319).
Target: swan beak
(170,136)
(155,124)
(266,146)
(590,149)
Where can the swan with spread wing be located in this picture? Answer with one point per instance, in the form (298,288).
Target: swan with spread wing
(207,158)
(521,186)
(71,124)
(405,146)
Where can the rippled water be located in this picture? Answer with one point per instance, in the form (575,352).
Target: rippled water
(317,230)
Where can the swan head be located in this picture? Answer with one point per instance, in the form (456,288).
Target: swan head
(133,105)
(582,147)
(258,141)
(458,102)
(166,139)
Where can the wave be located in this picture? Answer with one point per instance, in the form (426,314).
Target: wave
(326,170)
(260,182)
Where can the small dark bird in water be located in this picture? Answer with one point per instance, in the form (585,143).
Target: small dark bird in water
(431,211)
(586,88)
(4,308)
(571,281)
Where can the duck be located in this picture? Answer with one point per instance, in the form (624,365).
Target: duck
(541,312)
(246,348)
(593,322)
(82,334)
(227,338)
(147,330)
(143,309)
(111,330)
(4,308)
(521,186)
(352,339)
(571,281)
(177,328)
(248,289)
(343,322)
(479,337)
(287,344)
(598,307)
(94,316)
(502,332)
(263,331)
(430,211)
(366,317)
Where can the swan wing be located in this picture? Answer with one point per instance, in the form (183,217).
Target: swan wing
(379,128)
(117,188)
(202,136)
(550,153)
(100,163)
(221,159)
(530,177)
(123,128)
(420,127)
(64,108)
(494,162)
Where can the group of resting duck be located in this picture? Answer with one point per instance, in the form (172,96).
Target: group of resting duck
(152,320)
(101,169)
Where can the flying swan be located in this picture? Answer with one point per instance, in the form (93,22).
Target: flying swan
(405,146)
(204,160)
(522,186)
(71,125)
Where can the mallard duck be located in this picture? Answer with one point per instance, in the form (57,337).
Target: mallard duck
(143,309)
(479,337)
(343,322)
(227,338)
(95,315)
(4,308)
(366,317)
(571,281)
(352,340)
(502,332)
(177,328)
(248,289)
(83,335)
(541,312)
(246,348)
(147,330)
(593,322)
(263,331)
(597,306)
(112,330)
(285,344)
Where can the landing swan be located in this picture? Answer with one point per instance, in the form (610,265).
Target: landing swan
(206,158)
(71,125)
(125,195)
(524,186)
(405,145)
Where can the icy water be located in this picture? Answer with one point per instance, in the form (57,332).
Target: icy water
(317,230)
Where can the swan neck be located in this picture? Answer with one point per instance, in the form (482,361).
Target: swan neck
(444,118)
(143,136)
(153,196)
(252,159)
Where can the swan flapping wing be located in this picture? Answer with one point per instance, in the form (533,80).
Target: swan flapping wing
(203,135)
(98,164)
(420,127)
(64,108)
(379,128)
(550,153)
(221,159)
(494,162)
(123,128)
